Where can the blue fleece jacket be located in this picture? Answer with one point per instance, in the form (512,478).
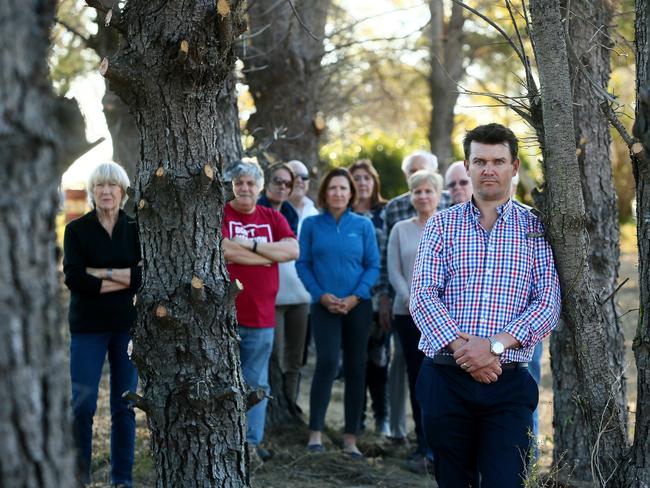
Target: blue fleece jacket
(338,258)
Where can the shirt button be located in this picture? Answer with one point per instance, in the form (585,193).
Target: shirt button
(486,296)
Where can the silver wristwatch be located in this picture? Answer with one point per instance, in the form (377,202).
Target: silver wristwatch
(497,348)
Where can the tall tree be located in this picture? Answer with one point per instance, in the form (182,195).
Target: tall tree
(283,70)
(589,46)
(39,135)
(639,468)
(447,69)
(172,71)
(563,205)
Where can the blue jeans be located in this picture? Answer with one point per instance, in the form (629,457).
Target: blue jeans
(87,353)
(333,332)
(255,352)
(535,369)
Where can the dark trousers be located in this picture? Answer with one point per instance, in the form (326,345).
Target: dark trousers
(479,433)
(87,353)
(409,337)
(377,372)
(333,333)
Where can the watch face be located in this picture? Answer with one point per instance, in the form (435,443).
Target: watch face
(497,348)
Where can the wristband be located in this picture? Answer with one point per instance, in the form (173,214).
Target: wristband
(254,246)
(109,273)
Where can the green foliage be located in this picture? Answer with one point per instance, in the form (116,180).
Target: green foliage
(386,152)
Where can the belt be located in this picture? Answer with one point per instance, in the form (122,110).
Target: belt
(447,360)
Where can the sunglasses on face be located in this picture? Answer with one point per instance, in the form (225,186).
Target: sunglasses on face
(281,182)
(303,177)
(452,184)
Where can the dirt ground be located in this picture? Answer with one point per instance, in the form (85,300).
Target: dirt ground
(385,465)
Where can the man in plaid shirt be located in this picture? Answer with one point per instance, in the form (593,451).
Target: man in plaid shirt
(485,291)
(399,208)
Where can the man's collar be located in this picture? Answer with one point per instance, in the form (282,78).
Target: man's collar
(503,211)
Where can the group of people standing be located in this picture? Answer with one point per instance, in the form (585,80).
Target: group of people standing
(388,290)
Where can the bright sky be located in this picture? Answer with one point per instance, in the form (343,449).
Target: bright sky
(89,91)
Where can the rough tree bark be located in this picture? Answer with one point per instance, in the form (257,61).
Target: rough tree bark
(283,70)
(639,471)
(124,132)
(564,215)
(587,28)
(171,72)
(121,124)
(39,136)
(446,60)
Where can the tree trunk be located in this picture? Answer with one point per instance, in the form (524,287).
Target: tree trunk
(173,73)
(564,215)
(639,472)
(446,62)
(36,446)
(283,70)
(589,62)
(283,67)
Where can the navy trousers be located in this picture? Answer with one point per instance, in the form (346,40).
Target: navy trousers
(333,333)
(480,434)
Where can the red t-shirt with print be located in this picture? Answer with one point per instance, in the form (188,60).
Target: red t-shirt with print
(256,303)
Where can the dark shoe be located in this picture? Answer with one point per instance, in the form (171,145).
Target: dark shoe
(353,455)
(398,441)
(264,453)
(316,448)
(421,466)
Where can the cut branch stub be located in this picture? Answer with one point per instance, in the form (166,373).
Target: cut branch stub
(208,171)
(226,393)
(142,204)
(160,171)
(109,16)
(319,124)
(223,7)
(103,67)
(637,148)
(197,290)
(235,289)
(161,312)
(136,400)
(255,396)
(183,49)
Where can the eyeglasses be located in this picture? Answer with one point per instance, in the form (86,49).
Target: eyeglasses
(452,184)
(303,177)
(281,182)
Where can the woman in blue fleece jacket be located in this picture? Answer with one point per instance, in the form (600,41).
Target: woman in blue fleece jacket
(339,264)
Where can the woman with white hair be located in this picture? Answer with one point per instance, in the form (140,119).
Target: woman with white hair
(102,270)
(256,239)
(425,188)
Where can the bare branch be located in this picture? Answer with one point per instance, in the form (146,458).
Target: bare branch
(606,107)
(300,21)
(495,26)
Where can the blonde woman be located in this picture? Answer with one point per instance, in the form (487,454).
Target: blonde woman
(425,188)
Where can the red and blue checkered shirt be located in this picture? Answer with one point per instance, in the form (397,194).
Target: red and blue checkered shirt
(482,283)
